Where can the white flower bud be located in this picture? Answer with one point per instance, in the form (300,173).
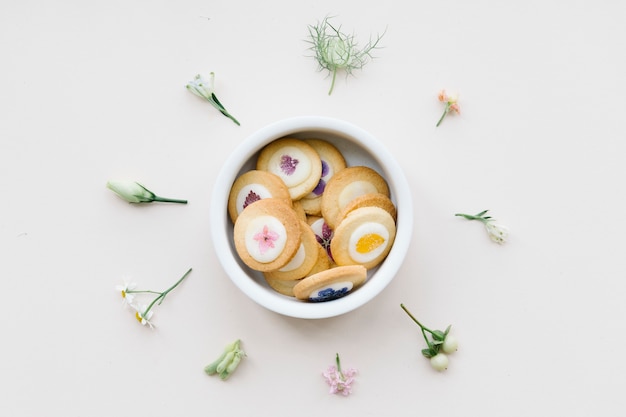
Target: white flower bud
(450,344)
(439,362)
(131,191)
(202,88)
(497,232)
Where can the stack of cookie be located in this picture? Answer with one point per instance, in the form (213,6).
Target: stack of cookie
(311,224)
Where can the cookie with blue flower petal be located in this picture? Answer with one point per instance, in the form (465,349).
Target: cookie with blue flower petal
(330,284)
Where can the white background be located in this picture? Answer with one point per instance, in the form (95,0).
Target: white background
(94,90)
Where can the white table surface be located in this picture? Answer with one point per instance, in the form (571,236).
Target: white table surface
(94,90)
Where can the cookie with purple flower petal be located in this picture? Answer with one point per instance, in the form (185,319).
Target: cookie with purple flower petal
(332,162)
(323,233)
(253,186)
(295,162)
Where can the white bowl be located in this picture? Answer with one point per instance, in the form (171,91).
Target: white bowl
(358,148)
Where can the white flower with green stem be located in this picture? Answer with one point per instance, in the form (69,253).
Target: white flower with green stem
(133,192)
(496,231)
(143,312)
(206,90)
(440,344)
(336,51)
(126,290)
(227,362)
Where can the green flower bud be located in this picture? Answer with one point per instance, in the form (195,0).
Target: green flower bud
(131,191)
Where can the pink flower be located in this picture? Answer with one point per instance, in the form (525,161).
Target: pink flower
(340,381)
(451,103)
(266,239)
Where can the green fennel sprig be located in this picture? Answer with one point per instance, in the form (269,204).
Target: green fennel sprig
(336,51)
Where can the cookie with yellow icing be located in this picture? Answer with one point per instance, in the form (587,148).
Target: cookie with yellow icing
(332,162)
(345,186)
(330,284)
(295,162)
(364,237)
(267,234)
(253,186)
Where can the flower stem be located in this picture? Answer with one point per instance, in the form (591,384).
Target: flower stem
(332,83)
(169,200)
(424,328)
(480,216)
(162,295)
(142,292)
(225,113)
(443,115)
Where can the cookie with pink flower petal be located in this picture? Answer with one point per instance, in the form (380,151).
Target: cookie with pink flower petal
(304,259)
(267,234)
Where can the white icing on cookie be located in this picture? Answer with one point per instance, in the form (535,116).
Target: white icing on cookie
(265,238)
(353,190)
(292,165)
(296,261)
(332,290)
(370,232)
(248,192)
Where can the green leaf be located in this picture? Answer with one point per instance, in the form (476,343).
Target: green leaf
(429,352)
(438,335)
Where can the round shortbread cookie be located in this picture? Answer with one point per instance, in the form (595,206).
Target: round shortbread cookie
(369,200)
(332,161)
(267,234)
(282,286)
(323,261)
(345,186)
(253,186)
(299,210)
(285,286)
(295,162)
(323,233)
(304,259)
(364,237)
(330,284)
